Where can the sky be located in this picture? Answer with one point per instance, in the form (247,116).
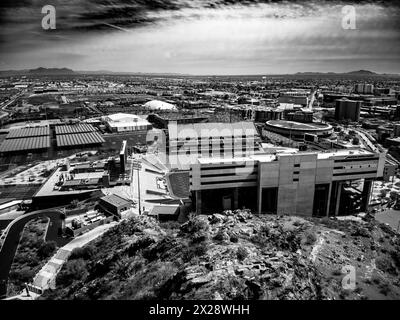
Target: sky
(201,36)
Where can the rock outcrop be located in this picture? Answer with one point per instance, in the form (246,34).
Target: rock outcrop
(238,255)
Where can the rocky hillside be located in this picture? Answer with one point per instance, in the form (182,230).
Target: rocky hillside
(235,255)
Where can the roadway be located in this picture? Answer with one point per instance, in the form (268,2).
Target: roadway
(12,99)
(13,235)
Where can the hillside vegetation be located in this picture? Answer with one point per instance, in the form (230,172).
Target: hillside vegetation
(235,255)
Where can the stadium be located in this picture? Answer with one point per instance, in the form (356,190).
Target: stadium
(297,129)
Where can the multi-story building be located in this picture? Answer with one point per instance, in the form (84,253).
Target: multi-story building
(296,97)
(121,122)
(347,109)
(364,88)
(295,184)
(187,142)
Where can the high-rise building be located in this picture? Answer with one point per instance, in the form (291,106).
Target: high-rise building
(364,88)
(347,109)
(123,155)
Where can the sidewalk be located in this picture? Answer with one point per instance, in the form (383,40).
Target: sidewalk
(46,277)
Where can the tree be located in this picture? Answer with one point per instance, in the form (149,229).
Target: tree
(394,195)
(74,203)
(47,249)
(72,270)
(356,141)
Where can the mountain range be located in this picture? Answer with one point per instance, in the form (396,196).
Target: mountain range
(67,71)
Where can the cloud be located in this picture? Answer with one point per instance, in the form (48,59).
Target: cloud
(204,36)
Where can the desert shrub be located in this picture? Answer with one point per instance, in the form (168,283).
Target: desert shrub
(200,250)
(361,232)
(395,254)
(194,251)
(265,230)
(142,243)
(22,275)
(258,239)
(375,280)
(358,290)
(161,249)
(221,235)
(337,272)
(384,288)
(47,249)
(289,241)
(343,294)
(234,238)
(123,267)
(199,237)
(385,264)
(330,223)
(85,253)
(73,270)
(170,225)
(310,238)
(137,266)
(242,253)
(74,204)
(297,223)
(195,224)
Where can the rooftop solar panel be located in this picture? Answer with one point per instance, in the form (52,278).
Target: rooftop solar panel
(28,132)
(27,143)
(74,128)
(79,139)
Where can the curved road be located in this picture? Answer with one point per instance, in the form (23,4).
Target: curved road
(11,241)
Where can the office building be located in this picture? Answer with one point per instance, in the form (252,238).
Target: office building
(364,88)
(347,109)
(309,184)
(294,97)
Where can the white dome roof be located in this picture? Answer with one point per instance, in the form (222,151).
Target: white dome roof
(159,105)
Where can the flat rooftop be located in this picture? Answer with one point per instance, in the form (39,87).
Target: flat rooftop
(116,200)
(27,143)
(223,129)
(78,139)
(36,131)
(264,157)
(74,128)
(47,189)
(293,125)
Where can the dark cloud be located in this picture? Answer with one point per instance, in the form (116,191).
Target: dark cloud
(92,15)
(150,21)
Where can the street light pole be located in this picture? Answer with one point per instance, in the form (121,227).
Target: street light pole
(138,179)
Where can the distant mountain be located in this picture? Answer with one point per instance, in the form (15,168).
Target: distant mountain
(362,72)
(66,71)
(107,72)
(353,73)
(50,71)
